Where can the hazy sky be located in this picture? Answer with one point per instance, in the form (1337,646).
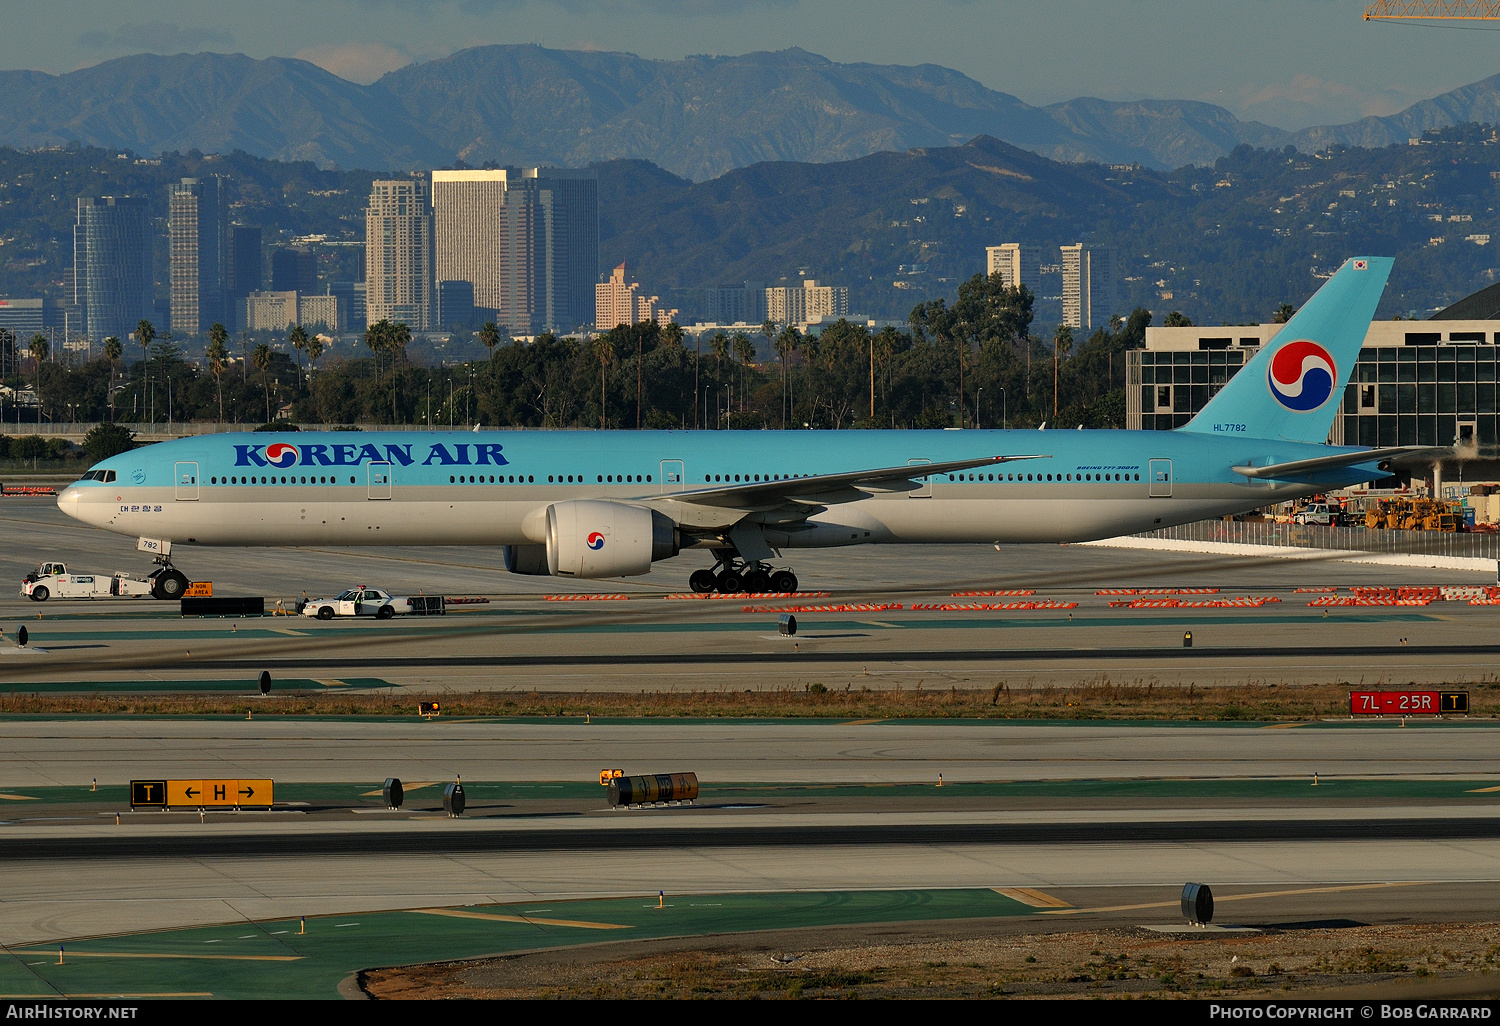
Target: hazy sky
(1291,63)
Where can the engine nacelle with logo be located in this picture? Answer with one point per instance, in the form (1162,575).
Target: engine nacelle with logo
(597,538)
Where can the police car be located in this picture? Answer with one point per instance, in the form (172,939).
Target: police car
(363,600)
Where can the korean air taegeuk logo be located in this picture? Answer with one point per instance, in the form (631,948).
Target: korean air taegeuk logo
(282,455)
(1302,375)
(596,541)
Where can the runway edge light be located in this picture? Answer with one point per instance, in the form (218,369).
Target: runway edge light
(1197,904)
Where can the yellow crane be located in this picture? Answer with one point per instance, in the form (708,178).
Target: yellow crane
(1433,10)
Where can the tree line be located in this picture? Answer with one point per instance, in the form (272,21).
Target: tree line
(971,362)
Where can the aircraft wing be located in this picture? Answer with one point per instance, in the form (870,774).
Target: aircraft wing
(825,488)
(1304,468)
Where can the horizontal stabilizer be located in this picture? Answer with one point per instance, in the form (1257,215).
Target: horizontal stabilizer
(1305,468)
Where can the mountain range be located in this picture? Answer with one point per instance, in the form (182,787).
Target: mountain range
(697,117)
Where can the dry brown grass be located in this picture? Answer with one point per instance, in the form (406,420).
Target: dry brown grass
(1083,964)
(1101,700)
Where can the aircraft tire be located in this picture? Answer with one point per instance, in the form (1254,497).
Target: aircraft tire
(169,585)
(730,583)
(757,581)
(784,581)
(702,582)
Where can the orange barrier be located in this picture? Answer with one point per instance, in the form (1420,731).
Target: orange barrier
(1377,600)
(742,595)
(1246,602)
(27,490)
(1313,590)
(476,600)
(852,607)
(1157,591)
(955,607)
(586,598)
(983,594)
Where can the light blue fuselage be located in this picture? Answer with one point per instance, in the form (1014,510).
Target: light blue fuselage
(479,488)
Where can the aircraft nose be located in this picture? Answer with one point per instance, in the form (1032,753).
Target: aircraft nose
(67,501)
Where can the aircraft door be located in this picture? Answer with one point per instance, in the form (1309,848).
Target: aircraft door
(1160,474)
(673,476)
(380,481)
(924,492)
(187,482)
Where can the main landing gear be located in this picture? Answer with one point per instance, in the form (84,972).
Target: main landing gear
(731,576)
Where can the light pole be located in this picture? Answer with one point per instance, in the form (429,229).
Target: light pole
(1003,419)
(977,394)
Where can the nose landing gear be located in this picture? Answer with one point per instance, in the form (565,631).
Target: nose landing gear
(732,576)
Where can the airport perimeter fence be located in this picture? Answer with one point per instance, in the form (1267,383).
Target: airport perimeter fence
(1479,545)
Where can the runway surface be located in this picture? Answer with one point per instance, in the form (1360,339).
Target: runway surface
(1402,825)
(645,642)
(113,751)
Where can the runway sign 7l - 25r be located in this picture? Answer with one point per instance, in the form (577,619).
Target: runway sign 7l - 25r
(1408,703)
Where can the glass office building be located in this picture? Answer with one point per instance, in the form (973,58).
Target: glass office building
(1412,385)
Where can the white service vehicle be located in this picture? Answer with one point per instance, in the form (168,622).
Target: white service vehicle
(367,601)
(52,580)
(1316,513)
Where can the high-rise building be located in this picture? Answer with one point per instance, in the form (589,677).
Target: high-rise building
(245,272)
(350,297)
(735,304)
(294,269)
(278,311)
(399,253)
(456,305)
(1090,290)
(527,239)
(810,303)
(619,301)
(112,264)
(197,233)
(1016,264)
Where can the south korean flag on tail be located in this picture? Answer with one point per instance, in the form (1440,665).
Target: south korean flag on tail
(1361,265)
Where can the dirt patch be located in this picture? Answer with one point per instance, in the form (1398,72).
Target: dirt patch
(1085,963)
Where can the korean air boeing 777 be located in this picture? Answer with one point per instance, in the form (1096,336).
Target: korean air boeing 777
(597,504)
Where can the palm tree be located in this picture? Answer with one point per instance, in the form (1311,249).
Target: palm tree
(260,359)
(145,334)
(217,355)
(396,341)
(785,345)
(314,350)
(112,352)
(1062,342)
(719,346)
(489,335)
(298,338)
(744,351)
(604,352)
(39,349)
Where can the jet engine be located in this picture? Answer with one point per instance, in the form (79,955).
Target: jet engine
(527,559)
(597,538)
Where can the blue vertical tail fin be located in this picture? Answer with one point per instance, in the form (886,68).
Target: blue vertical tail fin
(1293,387)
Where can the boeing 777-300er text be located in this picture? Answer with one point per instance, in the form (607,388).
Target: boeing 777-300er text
(596,504)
